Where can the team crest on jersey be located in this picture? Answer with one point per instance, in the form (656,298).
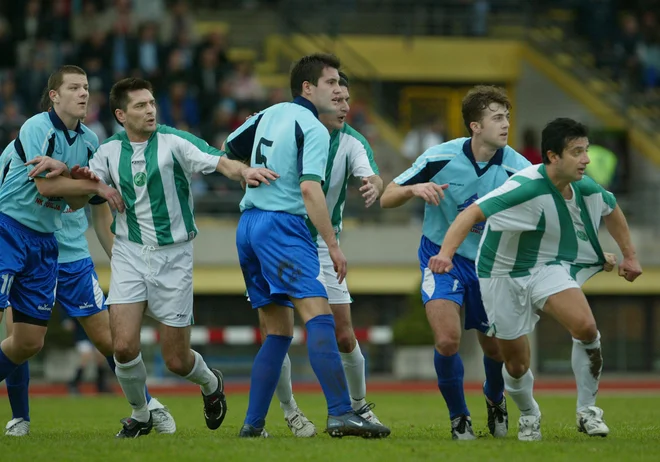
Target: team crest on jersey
(479,227)
(582,235)
(140,179)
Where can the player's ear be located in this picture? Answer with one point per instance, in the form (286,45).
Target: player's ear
(475,127)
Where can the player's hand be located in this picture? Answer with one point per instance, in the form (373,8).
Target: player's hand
(630,269)
(42,163)
(339,262)
(113,197)
(255,176)
(440,264)
(432,193)
(610,261)
(369,192)
(83,173)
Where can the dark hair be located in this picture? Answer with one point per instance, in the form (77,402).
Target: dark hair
(309,69)
(343,80)
(478,99)
(55,81)
(120,90)
(558,133)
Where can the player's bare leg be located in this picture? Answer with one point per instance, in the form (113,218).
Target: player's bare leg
(571,309)
(445,321)
(97,328)
(295,419)
(17,426)
(519,385)
(187,363)
(353,361)
(125,326)
(498,415)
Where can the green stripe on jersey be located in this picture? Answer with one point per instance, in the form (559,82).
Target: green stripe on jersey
(488,253)
(336,213)
(183,193)
(128,190)
(568,244)
(367,147)
(197,142)
(334,147)
(529,244)
(159,212)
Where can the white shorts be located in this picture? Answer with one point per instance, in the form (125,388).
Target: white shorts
(337,293)
(511,303)
(161,276)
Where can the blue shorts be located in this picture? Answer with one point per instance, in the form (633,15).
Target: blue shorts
(28,269)
(78,291)
(459,285)
(278,258)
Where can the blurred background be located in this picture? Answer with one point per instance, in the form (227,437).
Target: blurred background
(214,62)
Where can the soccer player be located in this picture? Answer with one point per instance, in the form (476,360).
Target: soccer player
(350,155)
(152,258)
(449,177)
(78,294)
(278,257)
(31,210)
(539,246)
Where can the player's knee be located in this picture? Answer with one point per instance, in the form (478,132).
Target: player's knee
(125,352)
(345,338)
(586,331)
(178,364)
(447,343)
(516,369)
(30,346)
(492,350)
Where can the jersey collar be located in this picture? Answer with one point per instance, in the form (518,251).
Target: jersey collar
(57,123)
(495,160)
(304,102)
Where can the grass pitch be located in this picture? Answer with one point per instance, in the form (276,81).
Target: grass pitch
(71,429)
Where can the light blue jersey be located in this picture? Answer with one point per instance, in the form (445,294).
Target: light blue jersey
(453,163)
(71,238)
(288,139)
(5,158)
(42,135)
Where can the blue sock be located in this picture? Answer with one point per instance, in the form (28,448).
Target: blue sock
(7,366)
(17,389)
(326,363)
(264,377)
(450,382)
(111,362)
(494,386)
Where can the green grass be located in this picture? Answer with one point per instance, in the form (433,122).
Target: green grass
(66,429)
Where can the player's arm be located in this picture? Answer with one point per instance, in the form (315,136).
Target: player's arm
(500,207)
(363,165)
(313,149)
(102,222)
(617,226)
(414,182)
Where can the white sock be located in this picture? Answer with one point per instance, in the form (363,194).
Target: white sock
(587,362)
(202,375)
(353,363)
(132,377)
(284,390)
(520,390)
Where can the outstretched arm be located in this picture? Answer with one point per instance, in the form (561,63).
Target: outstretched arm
(617,226)
(456,234)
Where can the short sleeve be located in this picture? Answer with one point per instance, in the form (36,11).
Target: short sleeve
(240,142)
(193,154)
(361,159)
(35,139)
(429,164)
(313,142)
(510,207)
(588,187)
(99,165)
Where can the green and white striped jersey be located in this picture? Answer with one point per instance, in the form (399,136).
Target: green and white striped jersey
(153,178)
(530,224)
(350,155)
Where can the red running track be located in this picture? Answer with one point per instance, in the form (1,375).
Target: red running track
(643,385)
